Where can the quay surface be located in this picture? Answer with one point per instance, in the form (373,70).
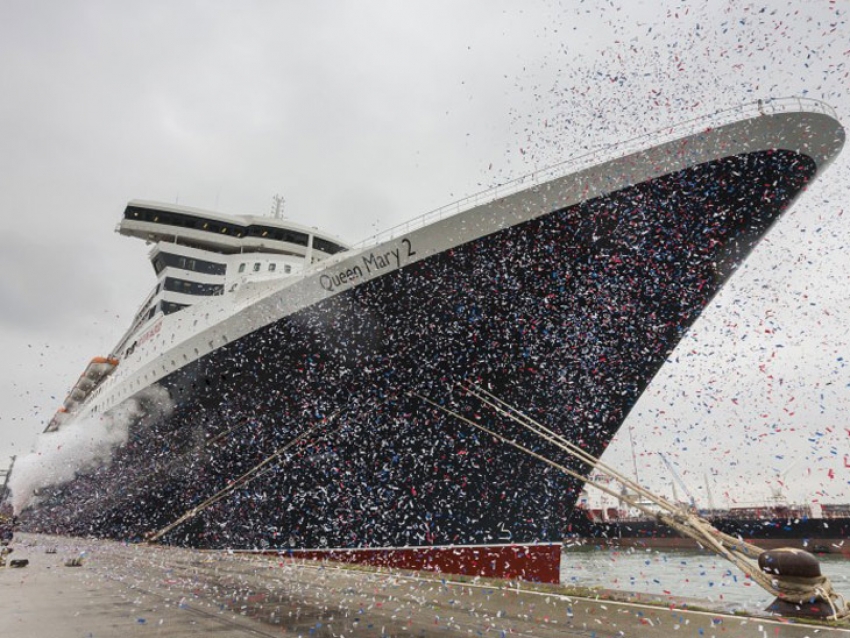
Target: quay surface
(139,590)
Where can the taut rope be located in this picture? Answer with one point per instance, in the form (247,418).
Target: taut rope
(686,522)
(255,472)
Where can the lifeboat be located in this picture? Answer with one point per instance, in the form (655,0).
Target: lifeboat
(58,419)
(98,368)
(96,371)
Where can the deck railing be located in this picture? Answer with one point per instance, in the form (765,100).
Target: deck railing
(601,155)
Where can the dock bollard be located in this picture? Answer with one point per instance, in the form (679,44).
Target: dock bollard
(796,573)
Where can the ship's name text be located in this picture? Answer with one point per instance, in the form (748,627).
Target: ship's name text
(370,264)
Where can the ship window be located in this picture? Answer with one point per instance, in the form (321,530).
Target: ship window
(287,269)
(169,307)
(242,267)
(272,267)
(326,246)
(257,267)
(197,265)
(192,287)
(279,234)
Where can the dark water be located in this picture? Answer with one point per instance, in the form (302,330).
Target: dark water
(681,573)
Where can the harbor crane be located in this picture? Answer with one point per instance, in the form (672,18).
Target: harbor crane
(678,479)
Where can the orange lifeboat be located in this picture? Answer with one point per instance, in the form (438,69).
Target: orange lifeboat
(96,371)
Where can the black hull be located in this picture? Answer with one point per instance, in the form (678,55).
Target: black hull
(568,316)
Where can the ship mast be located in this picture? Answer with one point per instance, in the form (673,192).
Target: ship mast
(278,203)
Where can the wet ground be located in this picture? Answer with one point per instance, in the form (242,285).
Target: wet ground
(137,590)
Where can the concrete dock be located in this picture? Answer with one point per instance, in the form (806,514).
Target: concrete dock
(138,590)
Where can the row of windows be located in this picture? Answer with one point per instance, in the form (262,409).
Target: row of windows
(231,230)
(192,287)
(279,234)
(187,263)
(168,307)
(272,267)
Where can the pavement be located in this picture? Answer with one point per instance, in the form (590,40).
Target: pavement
(139,590)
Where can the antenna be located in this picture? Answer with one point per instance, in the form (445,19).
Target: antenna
(277,206)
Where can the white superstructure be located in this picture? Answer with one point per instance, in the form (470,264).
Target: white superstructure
(198,254)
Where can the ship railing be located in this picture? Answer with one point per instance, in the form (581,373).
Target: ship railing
(604,154)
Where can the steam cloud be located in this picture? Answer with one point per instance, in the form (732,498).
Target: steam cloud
(81,445)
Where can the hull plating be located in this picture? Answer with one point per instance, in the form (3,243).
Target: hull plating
(567,316)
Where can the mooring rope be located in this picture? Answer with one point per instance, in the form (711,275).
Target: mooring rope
(255,472)
(736,550)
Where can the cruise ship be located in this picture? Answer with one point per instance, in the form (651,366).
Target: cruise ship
(282,374)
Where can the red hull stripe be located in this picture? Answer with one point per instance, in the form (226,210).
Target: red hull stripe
(534,563)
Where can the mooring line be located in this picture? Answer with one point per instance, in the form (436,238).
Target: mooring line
(547,434)
(243,480)
(686,522)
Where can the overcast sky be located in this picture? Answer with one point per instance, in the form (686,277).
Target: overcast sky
(365,114)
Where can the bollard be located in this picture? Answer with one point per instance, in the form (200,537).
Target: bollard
(796,570)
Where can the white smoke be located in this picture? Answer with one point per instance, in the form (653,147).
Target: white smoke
(81,445)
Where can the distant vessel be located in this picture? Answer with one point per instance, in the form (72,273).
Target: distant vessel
(769,527)
(295,360)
